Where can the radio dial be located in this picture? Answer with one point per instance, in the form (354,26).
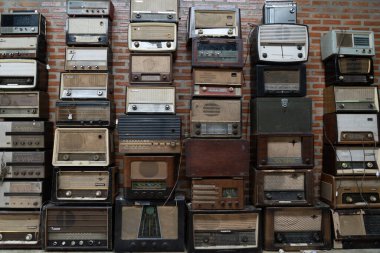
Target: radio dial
(373,198)
(29,237)
(98,193)
(68,193)
(349,199)
(370,165)
(344,165)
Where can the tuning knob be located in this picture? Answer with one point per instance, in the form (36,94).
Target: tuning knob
(28,237)
(373,198)
(168,44)
(134,107)
(98,193)
(349,199)
(344,165)
(268,196)
(68,193)
(369,164)
(137,44)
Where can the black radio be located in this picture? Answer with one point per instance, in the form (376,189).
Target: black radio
(22,23)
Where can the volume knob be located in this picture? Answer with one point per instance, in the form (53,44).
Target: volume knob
(373,198)
(98,193)
(1,237)
(28,237)
(68,193)
(349,199)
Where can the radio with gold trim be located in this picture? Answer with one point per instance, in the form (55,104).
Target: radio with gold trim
(20,229)
(150,226)
(88,31)
(151,68)
(22,194)
(22,23)
(297,228)
(152,37)
(283,187)
(221,22)
(87,59)
(26,47)
(235,231)
(147,134)
(216,118)
(271,151)
(90,8)
(24,104)
(25,135)
(81,147)
(77,228)
(149,177)
(350,191)
(79,186)
(84,113)
(157,11)
(220,193)
(24,164)
(350,160)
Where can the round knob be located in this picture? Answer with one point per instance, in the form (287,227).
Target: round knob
(300,55)
(341,78)
(164,77)
(75,67)
(231,89)
(168,44)
(165,245)
(29,237)
(143,244)
(268,196)
(200,31)
(230,32)
(235,132)
(29,80)
(206,240)
(98,193)
(100,93)
(23,173)
(373,198)
(68,193)
(371,106)
(138,15)
(89,67)
(349,199)
(299,196)
(344,136)
(204,88)
(136,77)
(316,237)
(80,243)
(134,107)
(299,47)
(307,161)
(96,157)
(132,245)
(279,238)
(235,125)
(369,136)
(167,107)
(263,162)
(90,242)
(1,237)
(265,55)
(66,157)
(68,93)
(244,239)
(170,16)
(96,66)
(371,77)
(136,44)
(55,243)
(198,125)
(82,67)
(172,144)
(292,10)
(344,165)
(72,243)
(369,164)
(341,106)
(197,132)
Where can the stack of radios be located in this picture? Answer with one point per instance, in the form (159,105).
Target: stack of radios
(350,183)
(217,158)
(25,133)
(282,142)
(150,217)
(79,216)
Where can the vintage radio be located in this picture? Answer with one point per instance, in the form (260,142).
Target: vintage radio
(281,115)
(280,12)
(347,42)
(84,113)
(235,231)
(84,86)
(151,68)
(24,165)
(217,82)
(87,58)
(150,226)
(152,37)
(280,43)
(217,194)
(90,8)
(23,74)
(156,11)
(22,23)
(20,229)
(25,135)
(272,151)
(351,128)
(279,81)
(216,158)
(21,194)
(82,228)
(356,228)
(149,177)
(26,47)
(350,191)
(217,53)
(81,147)
(348,70)
(79,186)
(221,22)
(297,228)
(349,160)
(283,188)
(150,99)
(350,99)
(216,118)
(88,31)
(24,104)
(146,134)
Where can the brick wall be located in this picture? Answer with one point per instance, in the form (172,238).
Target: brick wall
(319,15)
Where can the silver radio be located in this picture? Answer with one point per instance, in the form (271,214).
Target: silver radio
(84,86)
(347,42)
(22,23)
(21,194)
(23,74)
(87,58)
(90,8)
(157,10)
(216,118)
(26,47)
(23,164)
(152,37)
(280,12)
(150,99)
(280,43)
(88,31)
(221,22)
